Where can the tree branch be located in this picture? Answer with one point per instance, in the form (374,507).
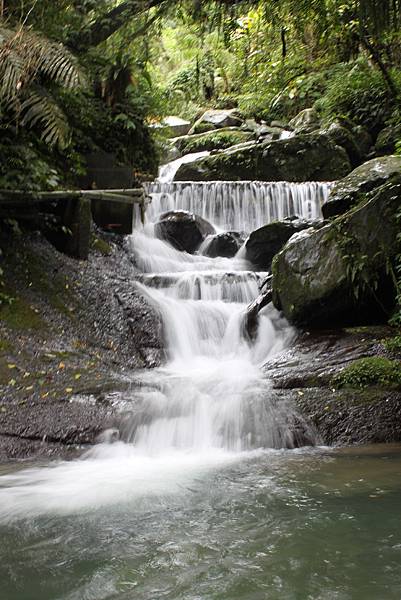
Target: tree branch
(104,27)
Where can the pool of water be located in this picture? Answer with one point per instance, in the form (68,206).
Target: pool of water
(293,525)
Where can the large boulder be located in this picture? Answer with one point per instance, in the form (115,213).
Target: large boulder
(183,230)
(339,273)
(344,137)
(264,243)
(387,140)
(224,244)
(363,179)
(173,126)
(306,121)
(310,157)
(219,139)
(216,119)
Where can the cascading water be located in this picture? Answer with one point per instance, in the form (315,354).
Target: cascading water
(208,405)
(239,205)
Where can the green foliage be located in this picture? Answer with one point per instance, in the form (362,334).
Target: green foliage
(371,371)
(30,65)
(214,140)
(393,344)
(360,94)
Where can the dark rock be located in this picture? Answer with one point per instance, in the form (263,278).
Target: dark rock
(253,310)
(315,277)
(224,244)
(306,121)
(345,138)
(183,230)
(369,176)
(264,243)
(387,140)
(311,157)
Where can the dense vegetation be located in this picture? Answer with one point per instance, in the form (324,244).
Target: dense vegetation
(83,76)
(87,76)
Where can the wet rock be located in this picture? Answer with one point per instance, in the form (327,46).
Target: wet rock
(303,377)
(183,230)
(216,119)
(311,157)
(316,275)
(224,244)
(369,176)
(253,310)
(264,243)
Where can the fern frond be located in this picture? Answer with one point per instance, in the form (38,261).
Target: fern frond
(40,110)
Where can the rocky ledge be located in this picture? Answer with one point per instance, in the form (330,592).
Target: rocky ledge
(314,375)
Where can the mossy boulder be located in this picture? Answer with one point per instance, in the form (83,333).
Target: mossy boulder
(344,137)
(338,274)
(264,243)
(220,139)
(216,119)
(306,121)
(183,230)
(387,140)
(309,157)
(365,178)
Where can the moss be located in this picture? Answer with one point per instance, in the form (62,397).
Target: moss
(5,346)
(215,140)
(101,246)
(372,371)
(20,315)
(393,344)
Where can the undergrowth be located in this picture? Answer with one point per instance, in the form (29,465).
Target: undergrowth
(370,371)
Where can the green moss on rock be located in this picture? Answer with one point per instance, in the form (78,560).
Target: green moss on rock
(371,371)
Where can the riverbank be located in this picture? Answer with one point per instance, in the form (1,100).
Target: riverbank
(71,336)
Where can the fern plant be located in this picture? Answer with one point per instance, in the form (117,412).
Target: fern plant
(31,66)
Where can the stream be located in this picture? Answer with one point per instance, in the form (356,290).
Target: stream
(203,492)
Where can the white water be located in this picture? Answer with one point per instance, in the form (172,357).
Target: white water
(168,171)
(209,405)
(239,205)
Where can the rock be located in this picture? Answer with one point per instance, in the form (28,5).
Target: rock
(343,137)
(176,126)
(306,121)
(252,312)
(216,119)
(264,243)
(219,139)
(303,375)
(310,157)
(365,178)
(224,244)
(281,125)
(183,230)
(387,139)
(338,274)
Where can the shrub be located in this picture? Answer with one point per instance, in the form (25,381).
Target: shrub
(369,372)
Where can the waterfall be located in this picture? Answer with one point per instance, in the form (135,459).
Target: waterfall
(209,405)
(211,395)
(239,205)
